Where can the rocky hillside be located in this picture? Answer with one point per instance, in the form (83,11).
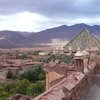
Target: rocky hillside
(25,39)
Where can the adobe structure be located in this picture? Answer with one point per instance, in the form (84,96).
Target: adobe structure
(72,80)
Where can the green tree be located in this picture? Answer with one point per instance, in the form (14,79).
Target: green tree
(22,87)
(41,76)
(34,74)
(23,56)
(10,87)
(9,75)
(29,75)
(36,52)
(38,88)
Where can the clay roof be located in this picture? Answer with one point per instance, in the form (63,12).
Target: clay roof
(84,40)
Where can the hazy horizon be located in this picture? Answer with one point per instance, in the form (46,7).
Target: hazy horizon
(50,27)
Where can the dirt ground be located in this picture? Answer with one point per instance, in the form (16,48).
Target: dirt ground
(94,92)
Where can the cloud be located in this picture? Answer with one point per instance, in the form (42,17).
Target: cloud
(22,21)
(27,21)
(36,15)
(51,7)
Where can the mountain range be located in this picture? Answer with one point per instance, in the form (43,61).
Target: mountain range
(10,39)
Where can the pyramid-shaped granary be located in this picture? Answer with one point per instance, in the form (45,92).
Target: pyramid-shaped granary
(84,40)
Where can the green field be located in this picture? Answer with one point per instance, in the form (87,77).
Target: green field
(31,83)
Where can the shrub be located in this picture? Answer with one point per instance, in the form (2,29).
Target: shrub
(34,74)
(22,87)
(23,56)
(10,75)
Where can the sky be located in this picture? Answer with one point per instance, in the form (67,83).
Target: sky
(37,15)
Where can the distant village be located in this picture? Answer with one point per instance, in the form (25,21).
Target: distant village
(18,60)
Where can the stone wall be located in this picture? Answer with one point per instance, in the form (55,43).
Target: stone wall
(56,81)
(50,77)
(70,88)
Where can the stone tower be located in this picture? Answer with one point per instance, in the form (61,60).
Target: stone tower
(85,60)
(79,60)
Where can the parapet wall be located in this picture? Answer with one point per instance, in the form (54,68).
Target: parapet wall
(70,88)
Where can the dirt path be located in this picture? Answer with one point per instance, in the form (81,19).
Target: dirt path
(94,92)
